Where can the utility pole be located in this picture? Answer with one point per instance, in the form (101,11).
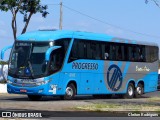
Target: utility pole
(61,16)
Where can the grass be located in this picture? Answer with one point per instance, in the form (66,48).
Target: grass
(154,99)
(119,107)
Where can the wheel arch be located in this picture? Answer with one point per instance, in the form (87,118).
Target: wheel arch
(74,83)
(131,81)
(140,82)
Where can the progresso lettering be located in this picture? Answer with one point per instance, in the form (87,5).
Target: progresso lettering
(85,66)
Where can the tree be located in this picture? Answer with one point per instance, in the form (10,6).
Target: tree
(25,7)
(155,1)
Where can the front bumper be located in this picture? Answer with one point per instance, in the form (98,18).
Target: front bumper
(36,90)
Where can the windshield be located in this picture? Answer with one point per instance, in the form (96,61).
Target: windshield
(27,59)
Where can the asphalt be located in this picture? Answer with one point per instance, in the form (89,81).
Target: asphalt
(11,102)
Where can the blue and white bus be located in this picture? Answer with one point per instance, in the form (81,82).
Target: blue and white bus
(68,63)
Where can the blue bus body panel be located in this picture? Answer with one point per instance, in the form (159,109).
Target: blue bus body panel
(39,36)
(90,76)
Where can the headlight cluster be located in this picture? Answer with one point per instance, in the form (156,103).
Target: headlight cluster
(43,82)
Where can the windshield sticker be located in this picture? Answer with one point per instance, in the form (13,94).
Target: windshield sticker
(27,71)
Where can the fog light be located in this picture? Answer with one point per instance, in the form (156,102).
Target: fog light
(8,89)
(40,91)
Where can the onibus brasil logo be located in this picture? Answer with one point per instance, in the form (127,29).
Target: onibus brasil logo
(114,77)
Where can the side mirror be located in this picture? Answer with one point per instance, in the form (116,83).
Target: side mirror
(4,50)
(48,53)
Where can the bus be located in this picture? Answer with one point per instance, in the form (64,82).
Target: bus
(68,63)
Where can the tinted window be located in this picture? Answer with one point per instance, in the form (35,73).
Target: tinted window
(151,53)
(99,50)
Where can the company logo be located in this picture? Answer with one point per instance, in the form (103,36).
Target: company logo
(142,69)
(114,77)
(6,114)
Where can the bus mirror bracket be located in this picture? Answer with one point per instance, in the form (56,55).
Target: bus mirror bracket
(4,50)
(48,53)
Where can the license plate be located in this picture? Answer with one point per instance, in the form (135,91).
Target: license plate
(23,90)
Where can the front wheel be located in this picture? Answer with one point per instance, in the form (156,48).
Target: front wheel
(130,91)
(34,97)
(70,92)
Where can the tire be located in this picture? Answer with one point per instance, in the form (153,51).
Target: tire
(70,92)
(34,97)
(139,90)
(130,92)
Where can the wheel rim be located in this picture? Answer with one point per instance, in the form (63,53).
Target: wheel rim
(69,91)
(130,90)
(139,90)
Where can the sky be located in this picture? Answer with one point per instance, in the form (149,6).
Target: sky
(131,19)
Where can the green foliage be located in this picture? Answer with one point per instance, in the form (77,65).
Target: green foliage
(3,82)
(24,7)
(155,1)
(3,62)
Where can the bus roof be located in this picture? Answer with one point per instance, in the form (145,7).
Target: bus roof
(50,35)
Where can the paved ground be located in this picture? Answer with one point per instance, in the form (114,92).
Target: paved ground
(21,102)
(11,101)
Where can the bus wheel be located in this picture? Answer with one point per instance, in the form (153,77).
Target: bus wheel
(34,97)
(70,92)
(139,90)
(130,91)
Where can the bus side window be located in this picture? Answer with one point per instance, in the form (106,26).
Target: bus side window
(140,55)
(132,53)
(106,53)
(74,52)
(81,49)
(97,51)
(88,50)
(112,52)
(153,53)
(118,53)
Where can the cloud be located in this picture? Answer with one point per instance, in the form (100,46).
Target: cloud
(3,33)
(37,19)
(82,24)
(78,26)
(47,27)
(114,31)
(2,23)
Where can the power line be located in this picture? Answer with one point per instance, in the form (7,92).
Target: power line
(52,4)
(104,22)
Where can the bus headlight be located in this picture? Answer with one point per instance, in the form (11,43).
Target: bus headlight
(43,82)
